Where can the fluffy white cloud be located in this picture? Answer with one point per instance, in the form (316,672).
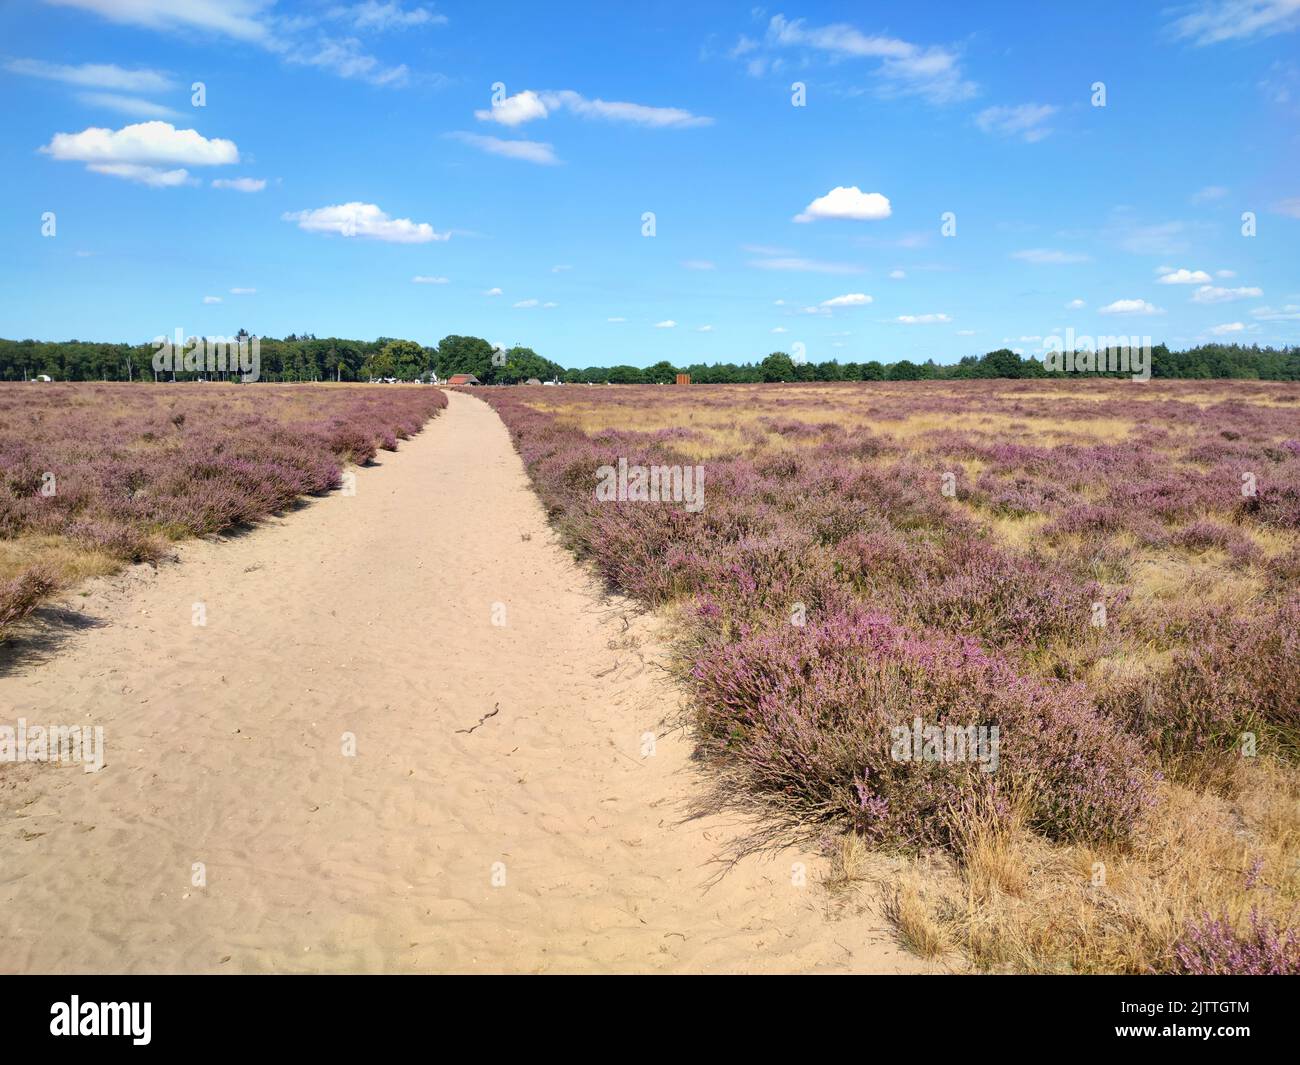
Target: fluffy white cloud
(850,299)
(1026,121)
(923,319)
(1134,307)
(1228,328)
(93,75)
(666,324)
(240,184)
(514,110)
(422,279)
(530,105)
(847,202)
(492,292)
(529,151)
(147,143)
(1217,294)
(1049,256)
(364,220)
(1182,276)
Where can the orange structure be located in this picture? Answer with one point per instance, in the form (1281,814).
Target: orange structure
(683,379)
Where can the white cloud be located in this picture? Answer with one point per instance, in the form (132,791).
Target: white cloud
(1216,294)
(846,202)
(1049,256)
(1209,194)
(240,19)
(529,151)
(1228,328)
(530,105)
(294,38)
(1289,207)
(697,264)
(897,275)
(1133,307)
(923,319)
(241,184)
(904,68)
(1225,273)
(364,220)
(1182,276)
(1074,305)
(148,143)
(1237,20)
(704,329)
(93,75)
(1025,121)
(211,299)
(616,319)
(666,324)
(965,332)
(851,299)
(154,176)
(492,292)
(1289,313)
(560,269)
(780,329)
(243,291)
(514,110)
(127,105)
(378,17)
(422,279)
(806,266)
(522,304)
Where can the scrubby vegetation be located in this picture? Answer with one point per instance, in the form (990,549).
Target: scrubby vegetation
(1104,571)
(95,476)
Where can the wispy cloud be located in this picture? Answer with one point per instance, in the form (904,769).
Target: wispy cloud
(797,264)
(530,105)
(529,151)
(1215,21)
(903,68)
(1026,121)
(93,75)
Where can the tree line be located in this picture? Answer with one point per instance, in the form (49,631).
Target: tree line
(311,358)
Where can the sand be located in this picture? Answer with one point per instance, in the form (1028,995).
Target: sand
(500,813)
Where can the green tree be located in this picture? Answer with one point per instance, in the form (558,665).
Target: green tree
(778,367)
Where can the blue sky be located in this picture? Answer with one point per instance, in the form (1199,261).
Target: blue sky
(357,147)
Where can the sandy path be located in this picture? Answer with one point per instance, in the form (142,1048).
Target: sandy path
(373,615)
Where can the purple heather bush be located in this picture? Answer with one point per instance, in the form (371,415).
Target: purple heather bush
(135,465)
(1213,947)
(913,605)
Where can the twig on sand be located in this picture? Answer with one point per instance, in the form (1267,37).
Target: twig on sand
(496,709)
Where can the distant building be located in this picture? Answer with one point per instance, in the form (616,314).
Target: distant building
(532,381)
(462,379)
(683,379)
